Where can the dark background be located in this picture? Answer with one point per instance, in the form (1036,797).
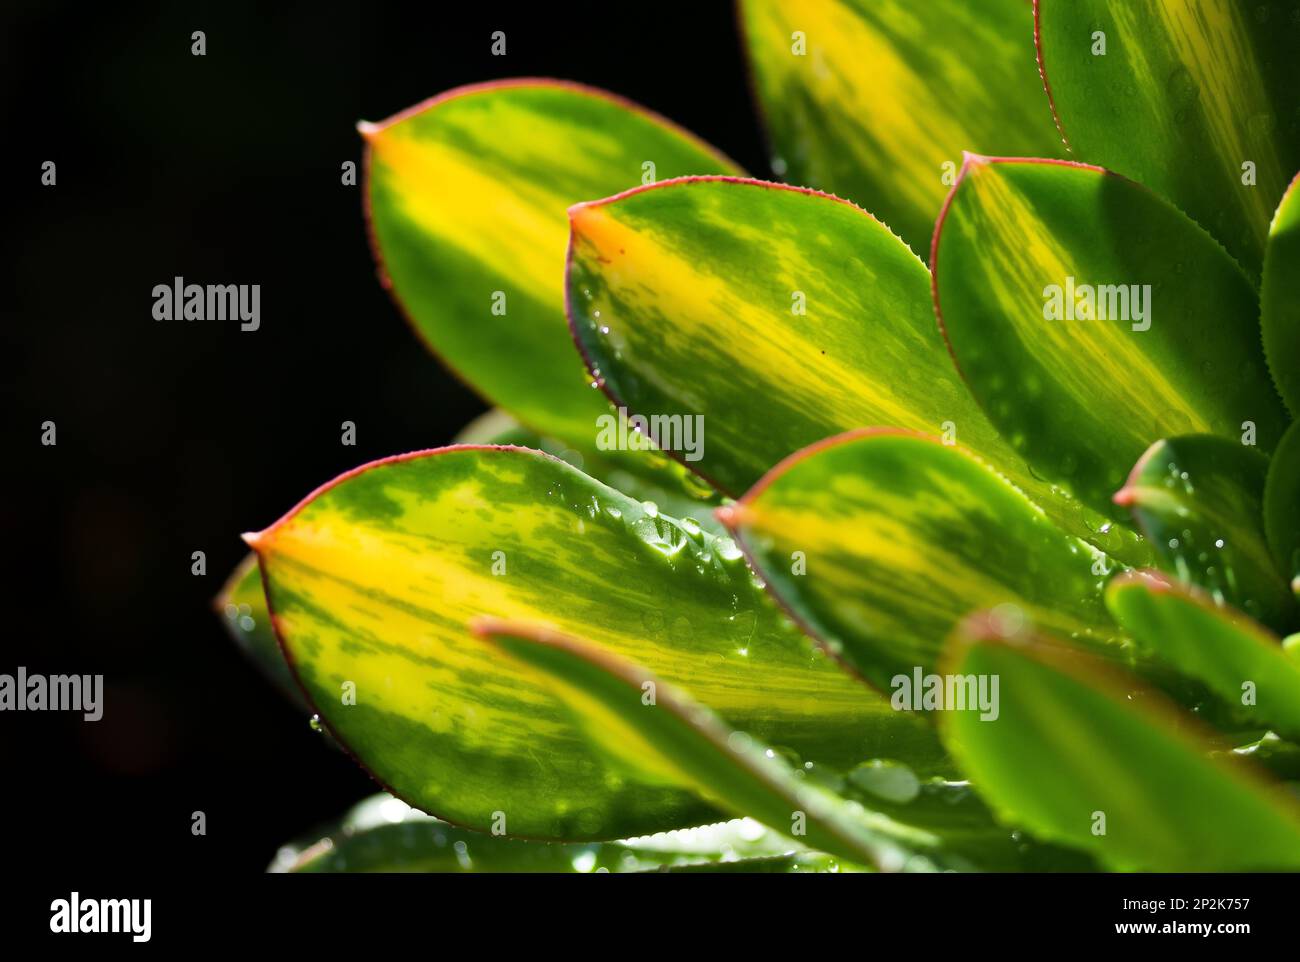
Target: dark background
(176,436)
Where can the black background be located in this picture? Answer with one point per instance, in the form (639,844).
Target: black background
(176,436)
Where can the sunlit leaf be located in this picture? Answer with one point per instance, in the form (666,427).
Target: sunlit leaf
(466,195)
(373,578)
(1091,318)
(880,542)
(1079,754)
(1199,499)
(875,100)
(1194,98)
(689,306)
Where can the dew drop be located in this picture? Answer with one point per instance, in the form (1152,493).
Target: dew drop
(727,550)
(889,780)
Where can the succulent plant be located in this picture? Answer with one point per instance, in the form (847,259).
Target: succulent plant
(985,565)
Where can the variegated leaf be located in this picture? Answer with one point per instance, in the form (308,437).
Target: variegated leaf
(373,578)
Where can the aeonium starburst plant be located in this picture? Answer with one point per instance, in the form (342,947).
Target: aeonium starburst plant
(812,556)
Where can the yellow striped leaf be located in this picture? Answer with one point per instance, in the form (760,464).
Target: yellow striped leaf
(652,727)
(875,100)
(373,578)
(1279,297)
(689,305)
(1081,754)
(880,541)
(1238,659)
(1091,318)
(1199,499)
(653,477)
(1194,98)
(466,197)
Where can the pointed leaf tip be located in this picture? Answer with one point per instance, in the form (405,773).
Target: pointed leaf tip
(368,130)
(437,167)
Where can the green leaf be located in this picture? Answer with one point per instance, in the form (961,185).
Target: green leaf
(651,476)
(1199,499)
(1075,742)
(1184,97)
(466,195)
(954,812)
(373,578)
(655,728)
(384,834)
(888,92)
(689,305)
(881,541)
(1082,398)
(1235,657)
(893,800)
(1282,506)
(242,604)
(1279,297)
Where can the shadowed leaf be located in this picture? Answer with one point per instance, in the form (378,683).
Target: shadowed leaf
(1230,653)
(1279,298)
(242,605)
(1199,499)
(1282,506)
(1079,754)
(383,834)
